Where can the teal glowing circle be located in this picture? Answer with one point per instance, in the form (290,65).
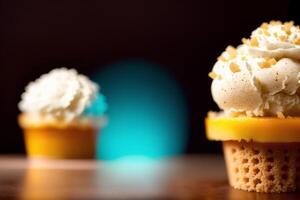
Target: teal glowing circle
(98,106)
(147,113)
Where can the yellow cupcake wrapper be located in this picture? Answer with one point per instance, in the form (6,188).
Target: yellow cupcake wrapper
(60,143)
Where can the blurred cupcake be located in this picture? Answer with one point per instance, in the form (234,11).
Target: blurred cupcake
(257,87)
(62,112)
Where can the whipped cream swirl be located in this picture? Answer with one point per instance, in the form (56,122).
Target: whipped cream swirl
(260,77)
(62,94)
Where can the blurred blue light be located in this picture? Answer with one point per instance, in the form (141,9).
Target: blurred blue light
(98,107)
(147,112)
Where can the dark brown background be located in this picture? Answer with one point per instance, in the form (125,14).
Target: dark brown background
(183,36)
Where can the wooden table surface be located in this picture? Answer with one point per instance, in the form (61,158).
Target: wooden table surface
(193,177)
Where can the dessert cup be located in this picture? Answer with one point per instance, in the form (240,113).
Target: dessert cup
(61,113)
(58,140)
(256,86)
(261,154)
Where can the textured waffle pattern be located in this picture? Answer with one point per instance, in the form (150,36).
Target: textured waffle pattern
(262,167)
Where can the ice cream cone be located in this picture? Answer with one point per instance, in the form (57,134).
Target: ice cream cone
(256,86)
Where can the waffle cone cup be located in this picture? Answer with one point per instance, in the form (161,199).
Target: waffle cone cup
(261,155)
(263,167)
(58,141)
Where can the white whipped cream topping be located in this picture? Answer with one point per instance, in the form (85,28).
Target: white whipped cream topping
(275,40)
(252,85)
(62,94)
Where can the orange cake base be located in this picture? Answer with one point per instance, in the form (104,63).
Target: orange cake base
(63,143)
(258,129)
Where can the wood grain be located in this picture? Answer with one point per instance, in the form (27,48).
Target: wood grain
(194,177)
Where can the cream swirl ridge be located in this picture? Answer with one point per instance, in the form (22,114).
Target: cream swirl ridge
(276,40)
(62,94)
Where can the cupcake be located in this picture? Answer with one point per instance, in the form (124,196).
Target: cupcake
(62,112)
(256,86)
